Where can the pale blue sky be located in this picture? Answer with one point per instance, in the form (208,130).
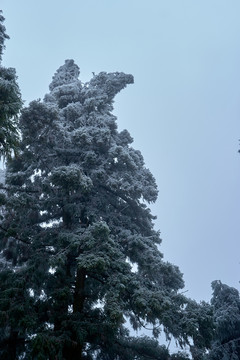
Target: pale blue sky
(183,110)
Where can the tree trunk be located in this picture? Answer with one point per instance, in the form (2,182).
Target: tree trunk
(12,345)
(74,352)
(79,294)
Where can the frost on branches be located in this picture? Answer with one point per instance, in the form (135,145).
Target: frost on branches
(79,236)
(10,102)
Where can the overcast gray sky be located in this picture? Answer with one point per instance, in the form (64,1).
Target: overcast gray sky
(183,110)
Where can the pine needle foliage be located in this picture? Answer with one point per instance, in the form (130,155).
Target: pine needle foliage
(80,255)
(10,102)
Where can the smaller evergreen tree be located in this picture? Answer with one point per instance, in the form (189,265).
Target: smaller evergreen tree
(10,102)
(3,35)
(226,316)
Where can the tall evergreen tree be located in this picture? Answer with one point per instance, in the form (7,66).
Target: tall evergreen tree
(10,102)
(81,254)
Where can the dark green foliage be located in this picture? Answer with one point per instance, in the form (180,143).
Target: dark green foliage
(10,103)
(78,231)
(218,333)
(3,35)
(226,307)
(17,314)
(180,356)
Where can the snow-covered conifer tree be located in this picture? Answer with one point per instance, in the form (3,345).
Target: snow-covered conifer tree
(80,237)
(226,316)
(10,102)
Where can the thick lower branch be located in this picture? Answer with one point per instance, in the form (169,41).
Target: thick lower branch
(15,236)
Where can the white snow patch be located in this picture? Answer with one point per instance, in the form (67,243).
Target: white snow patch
(50,248)
(31,292)
(43,295)
(98,304)
(49,326)
(52,270)
(36,173)
(50,223)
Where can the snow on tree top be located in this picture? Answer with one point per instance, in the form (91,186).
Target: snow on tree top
(66,74)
